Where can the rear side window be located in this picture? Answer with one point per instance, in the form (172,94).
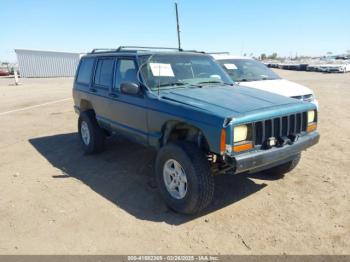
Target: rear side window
(85,70)
(104,72)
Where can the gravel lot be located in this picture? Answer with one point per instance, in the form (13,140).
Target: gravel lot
(55,200)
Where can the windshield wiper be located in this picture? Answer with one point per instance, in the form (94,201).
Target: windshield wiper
(268,78)
(172,84)
(248,80)
(213,82)
(210,82)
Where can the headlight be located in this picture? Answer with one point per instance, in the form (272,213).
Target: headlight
(240,133)
(311,116)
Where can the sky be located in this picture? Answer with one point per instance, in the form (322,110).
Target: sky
(288,27)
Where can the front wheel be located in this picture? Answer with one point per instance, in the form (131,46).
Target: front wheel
(284,168)
(184,178)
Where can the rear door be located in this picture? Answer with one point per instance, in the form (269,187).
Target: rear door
(101,86)
(128,112)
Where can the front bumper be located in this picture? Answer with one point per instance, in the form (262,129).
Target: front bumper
(259,160)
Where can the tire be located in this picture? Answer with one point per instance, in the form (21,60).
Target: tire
(284,168)
(200,182)
(95,143)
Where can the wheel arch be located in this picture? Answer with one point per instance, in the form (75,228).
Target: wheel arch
(85,105)
(175,130)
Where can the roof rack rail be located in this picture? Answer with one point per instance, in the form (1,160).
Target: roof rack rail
(156,48)
(218,53)
(138,48)
(195,51)
(147,47)
(98,50)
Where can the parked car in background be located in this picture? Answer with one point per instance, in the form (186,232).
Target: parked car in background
(335,68)
(4,73)
(185,106)
(252,73)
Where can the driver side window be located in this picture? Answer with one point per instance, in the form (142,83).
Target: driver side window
(126,72)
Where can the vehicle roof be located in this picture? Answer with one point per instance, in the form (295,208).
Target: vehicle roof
(228,56)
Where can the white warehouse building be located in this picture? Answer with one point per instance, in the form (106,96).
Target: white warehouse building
(35,63)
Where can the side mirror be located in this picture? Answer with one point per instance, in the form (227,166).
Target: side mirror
(130,88)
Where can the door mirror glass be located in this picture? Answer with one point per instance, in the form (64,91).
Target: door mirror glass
(130,88)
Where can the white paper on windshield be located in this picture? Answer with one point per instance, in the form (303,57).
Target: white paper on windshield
(230,66)
(160,69)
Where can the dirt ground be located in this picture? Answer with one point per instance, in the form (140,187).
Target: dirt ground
(55,200)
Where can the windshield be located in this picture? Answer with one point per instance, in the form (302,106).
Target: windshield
(241,70)
(166,71)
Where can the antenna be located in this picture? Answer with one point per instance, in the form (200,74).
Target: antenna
(178,27)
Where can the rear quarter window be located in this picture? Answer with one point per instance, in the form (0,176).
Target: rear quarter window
(85,70)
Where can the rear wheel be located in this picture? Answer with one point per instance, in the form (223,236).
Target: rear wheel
(284,168)
(184,178)
(91,135)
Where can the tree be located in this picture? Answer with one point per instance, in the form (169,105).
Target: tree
(273,56)
(263,56)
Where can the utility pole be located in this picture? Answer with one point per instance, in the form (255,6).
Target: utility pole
(178,27)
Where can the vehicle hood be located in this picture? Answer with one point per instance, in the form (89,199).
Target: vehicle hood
(229,100)
(279,86)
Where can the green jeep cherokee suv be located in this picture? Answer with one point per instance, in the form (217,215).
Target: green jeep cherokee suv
(185,106)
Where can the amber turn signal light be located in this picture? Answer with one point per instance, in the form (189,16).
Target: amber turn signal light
(223,140)
(242,147)
(311,127)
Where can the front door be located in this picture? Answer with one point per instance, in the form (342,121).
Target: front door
(128,112)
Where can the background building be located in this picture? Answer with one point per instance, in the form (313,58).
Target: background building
(35,63)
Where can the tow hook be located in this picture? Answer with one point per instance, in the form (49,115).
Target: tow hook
(287,140)
(284,140)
